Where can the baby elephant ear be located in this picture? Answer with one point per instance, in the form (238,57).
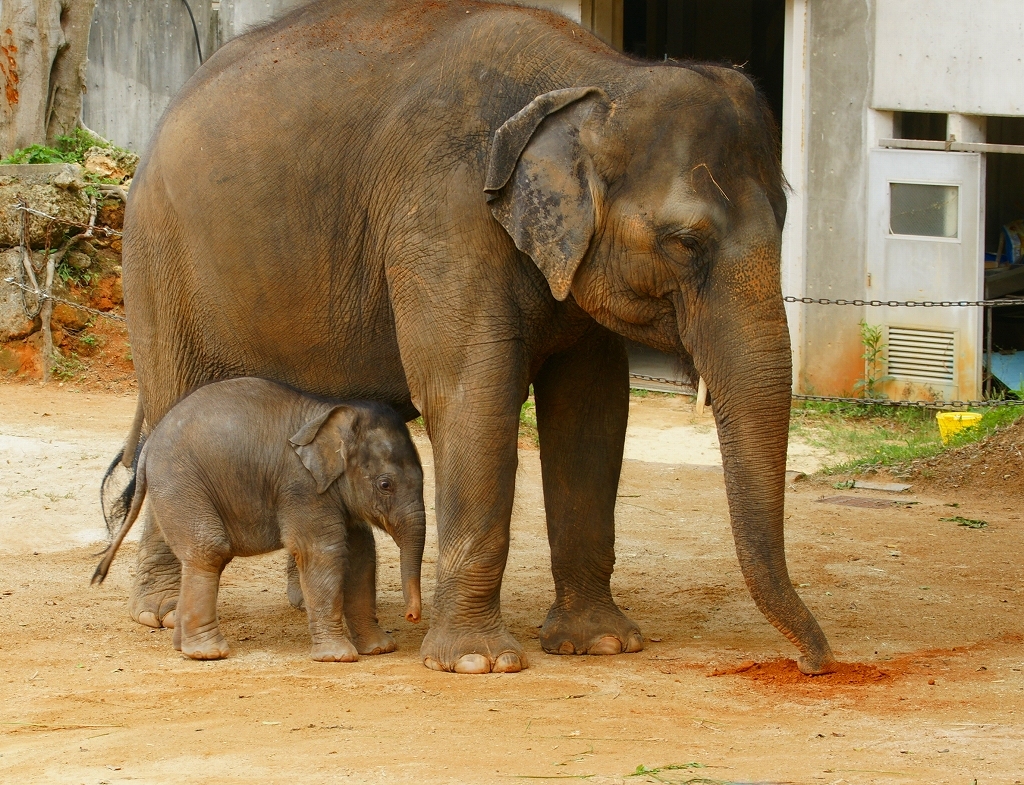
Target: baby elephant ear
(321,444)
(542,184)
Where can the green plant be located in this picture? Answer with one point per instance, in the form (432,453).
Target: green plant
(68,273)
(658,773)
(68,148)
(874,361)
(970,523)
(528,420)
(88,340)
(67,367)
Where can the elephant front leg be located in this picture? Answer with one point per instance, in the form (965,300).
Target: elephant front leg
(321,563)
(582,407)
(154,595)
(361,593)
(475,462)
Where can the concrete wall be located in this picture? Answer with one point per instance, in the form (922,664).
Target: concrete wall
(142,52)
(964,56)
(839,76)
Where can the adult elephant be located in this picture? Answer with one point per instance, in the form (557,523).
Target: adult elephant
(437,205)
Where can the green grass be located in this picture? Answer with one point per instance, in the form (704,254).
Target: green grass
(859,437)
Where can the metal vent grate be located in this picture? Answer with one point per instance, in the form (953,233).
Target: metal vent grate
(922,355)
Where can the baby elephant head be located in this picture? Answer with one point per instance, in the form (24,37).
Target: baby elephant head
(364,451)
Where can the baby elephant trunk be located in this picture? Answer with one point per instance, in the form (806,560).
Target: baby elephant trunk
(410,539)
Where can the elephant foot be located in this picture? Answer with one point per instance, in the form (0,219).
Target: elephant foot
(207,647)
(334,651)
(495,652)
(601,630)
(154,605)
(375,641)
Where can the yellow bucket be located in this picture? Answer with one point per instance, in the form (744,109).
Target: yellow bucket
(954,422)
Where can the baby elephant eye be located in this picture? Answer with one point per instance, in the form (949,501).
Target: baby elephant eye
(385,484)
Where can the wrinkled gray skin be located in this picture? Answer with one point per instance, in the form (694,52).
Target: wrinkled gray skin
(246,466)
(436,205)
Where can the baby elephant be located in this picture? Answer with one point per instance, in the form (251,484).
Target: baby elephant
(242,467)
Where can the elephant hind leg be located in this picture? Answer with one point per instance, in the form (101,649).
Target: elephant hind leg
(154,595)
(199,634)
(582,407)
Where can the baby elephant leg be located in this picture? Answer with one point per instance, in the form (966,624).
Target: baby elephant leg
(321,561)
(361,593)
(197,633)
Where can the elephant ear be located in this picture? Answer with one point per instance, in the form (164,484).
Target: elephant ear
(322,444)
(541,182)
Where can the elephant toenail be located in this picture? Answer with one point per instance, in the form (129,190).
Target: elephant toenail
(148,618)
(607,645)
(566,648)
(473,663)
(432,664)
(509,662)
(168,619)
(635,642)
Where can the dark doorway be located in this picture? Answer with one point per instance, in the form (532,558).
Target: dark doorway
(750,33)
(747,33)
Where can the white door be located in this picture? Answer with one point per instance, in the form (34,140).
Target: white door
(924,243)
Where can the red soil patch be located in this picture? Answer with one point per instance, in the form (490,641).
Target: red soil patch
(785,673)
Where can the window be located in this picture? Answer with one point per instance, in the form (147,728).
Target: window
(924,210)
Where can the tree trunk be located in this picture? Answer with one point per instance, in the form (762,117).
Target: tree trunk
(43,53)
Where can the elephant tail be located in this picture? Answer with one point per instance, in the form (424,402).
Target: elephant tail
(138,484)
(118,485)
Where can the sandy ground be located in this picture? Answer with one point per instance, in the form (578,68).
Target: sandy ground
(925,614)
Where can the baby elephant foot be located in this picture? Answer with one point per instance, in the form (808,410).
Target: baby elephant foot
(334,651)
(604,630)
(212,646)
(494,652)
(375,641)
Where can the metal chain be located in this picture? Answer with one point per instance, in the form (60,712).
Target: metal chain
(910,303)
(43,296)
(913,404)
(663,380)
(860,401)
(105,229)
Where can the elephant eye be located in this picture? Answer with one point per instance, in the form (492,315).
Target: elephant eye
(683,243)
(385,484)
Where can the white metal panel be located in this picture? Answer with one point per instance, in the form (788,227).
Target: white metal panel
(964,56)
(918,267)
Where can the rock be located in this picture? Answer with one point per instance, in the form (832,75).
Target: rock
(78,260)
(39,193)
(69,178)
(13,321)
(112,164)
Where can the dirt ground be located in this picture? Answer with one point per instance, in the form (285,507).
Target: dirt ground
(925,614)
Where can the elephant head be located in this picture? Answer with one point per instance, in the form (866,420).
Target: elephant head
(660,211)
(368,448)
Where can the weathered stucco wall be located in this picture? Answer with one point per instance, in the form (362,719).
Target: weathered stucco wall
(141,53)
(839,85)
(964,56)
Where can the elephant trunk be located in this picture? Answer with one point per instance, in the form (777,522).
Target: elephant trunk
(742,350)
(411,538)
